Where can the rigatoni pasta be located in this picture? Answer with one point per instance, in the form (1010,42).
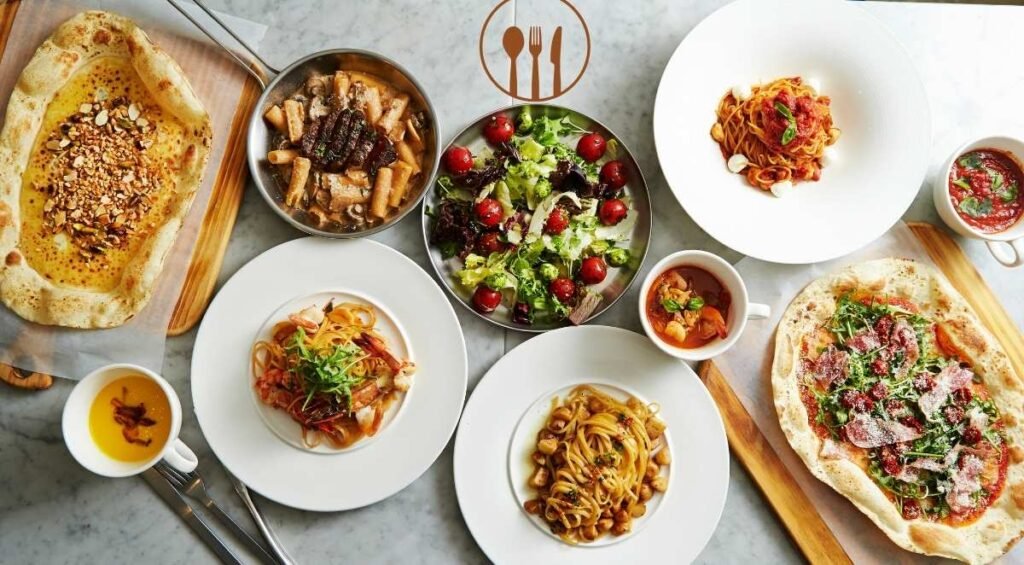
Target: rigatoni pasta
(350,147)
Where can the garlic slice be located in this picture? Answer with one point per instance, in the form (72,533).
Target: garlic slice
(741,92)
(781,189)
(737,163)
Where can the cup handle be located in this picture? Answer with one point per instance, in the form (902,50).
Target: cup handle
(757,311)
(181,457)
(1012,257)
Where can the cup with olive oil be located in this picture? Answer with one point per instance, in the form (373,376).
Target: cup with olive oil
(121,419)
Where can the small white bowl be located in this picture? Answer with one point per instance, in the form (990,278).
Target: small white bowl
(740,310)
(1006,246)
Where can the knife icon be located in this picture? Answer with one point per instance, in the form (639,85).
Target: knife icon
(176,503)
(556,60)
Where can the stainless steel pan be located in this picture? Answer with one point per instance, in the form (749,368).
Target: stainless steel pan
(279,84)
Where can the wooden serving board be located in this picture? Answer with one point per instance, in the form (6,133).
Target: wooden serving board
(803,522)
(216,225)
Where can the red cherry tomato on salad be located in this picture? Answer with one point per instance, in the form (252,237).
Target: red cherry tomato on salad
(593,270)
(488,243)
(458,160)
(488,212)
(486,299)
(499,129)
(591,147)
(613,173)
(612,211)
(563,289)
(557,221)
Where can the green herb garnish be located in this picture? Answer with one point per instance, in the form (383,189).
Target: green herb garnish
(671,306)
(325,371)
(970,161)
(695,303)
(962,183)
(785,112)
(1008,193)
(974,207)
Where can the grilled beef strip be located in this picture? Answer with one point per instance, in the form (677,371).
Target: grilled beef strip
(338,136)
(308,141)
(382,155)
(323,140)
(363,148)
(358,125)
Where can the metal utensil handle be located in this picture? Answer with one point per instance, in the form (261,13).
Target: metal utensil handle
(268,534)
(241,534)
(247,65)
(177,503)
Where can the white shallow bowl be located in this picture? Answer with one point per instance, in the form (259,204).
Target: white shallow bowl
(878,102)
(674,531)
(279,421)
(1006,246)
(221,376)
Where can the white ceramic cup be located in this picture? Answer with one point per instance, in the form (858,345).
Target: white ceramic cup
(740,310)
(1006,246)
(79,439)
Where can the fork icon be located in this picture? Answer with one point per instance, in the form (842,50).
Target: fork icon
(536,46)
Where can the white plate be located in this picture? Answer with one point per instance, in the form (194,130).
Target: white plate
(221,375)
(878,102)
(279,421)
(687,513)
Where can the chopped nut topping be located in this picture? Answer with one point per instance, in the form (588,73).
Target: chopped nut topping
(101,182)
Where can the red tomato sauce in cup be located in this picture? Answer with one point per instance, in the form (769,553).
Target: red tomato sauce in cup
(985,186)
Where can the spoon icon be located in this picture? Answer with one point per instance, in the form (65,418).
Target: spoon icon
(513,42)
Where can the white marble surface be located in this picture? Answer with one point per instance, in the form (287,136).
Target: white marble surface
(52,511)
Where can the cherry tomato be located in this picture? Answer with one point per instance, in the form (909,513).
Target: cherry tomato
(563,289)
(488,243)
(499,129)
(591,147)
(557,221)
(593,270)
(614,174)
(458,160)
(612,211)
(488,212)
(486,299)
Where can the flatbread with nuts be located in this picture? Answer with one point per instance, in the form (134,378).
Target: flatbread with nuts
(102,152)
(894,394)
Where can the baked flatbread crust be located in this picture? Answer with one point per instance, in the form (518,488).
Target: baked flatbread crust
(80,40)
(1002,524)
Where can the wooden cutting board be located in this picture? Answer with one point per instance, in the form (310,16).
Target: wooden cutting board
(800,518)
(218,217)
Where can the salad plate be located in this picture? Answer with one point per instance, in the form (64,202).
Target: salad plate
(507,408)
(539,219)
(222,373)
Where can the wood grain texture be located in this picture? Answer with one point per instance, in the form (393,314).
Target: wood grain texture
(957,267)
(805,526)
(221,211)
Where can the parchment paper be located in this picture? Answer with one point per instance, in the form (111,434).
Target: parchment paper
(218,83)
(747,366)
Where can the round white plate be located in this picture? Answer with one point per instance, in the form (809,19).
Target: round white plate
(688,512)
(221,375)
(279,421)
(878,102)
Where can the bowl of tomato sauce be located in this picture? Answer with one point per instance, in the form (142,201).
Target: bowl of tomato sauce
(694,305)
(979,193)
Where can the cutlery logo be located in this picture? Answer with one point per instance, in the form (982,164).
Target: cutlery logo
(559,30)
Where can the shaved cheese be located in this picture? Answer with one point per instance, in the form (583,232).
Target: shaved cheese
(814,84)
(737,163)
(781,189)
(741,92)
(829,157)
(540,215)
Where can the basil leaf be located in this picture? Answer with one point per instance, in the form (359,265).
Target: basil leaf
(962,184)
(788,135)
(1008,193)
(970,161)
(784,111)
(975,208)
(695,303)
(997,180)
(671,306)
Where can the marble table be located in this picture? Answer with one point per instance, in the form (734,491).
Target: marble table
(53,511)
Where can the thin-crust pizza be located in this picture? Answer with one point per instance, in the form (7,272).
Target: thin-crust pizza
(893,393)
(102,151)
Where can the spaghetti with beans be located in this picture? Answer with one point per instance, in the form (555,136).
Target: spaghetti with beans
(331,371)
(780,131)
(597,464)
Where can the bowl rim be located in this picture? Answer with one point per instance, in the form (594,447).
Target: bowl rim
(444,279)
(940,186)
(255,166)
